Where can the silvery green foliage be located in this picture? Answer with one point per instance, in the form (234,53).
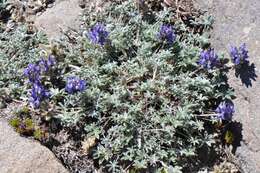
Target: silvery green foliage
(17,50)
(143,95)
(2,5)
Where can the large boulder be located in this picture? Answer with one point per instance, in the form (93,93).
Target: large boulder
(21,155)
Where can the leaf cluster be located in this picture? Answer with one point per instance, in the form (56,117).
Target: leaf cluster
(17,50)
(143,94)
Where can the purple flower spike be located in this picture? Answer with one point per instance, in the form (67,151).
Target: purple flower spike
(225,110)
(239,55)
(38,94)
(74,84)
(51,60)
(234,53)
(166,33)
(208,59)
(98,34)
(32,71)
(47,64)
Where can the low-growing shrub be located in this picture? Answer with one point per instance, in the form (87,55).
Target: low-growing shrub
(17,50)
(150,79)
(140,87)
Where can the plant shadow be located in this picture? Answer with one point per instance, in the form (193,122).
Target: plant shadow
(210,156)
(236,129)
(246,73)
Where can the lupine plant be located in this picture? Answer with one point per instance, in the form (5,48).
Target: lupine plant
(38,94)
(239,55)
(33,72)
(167,34)
(225,110)
(98,34)
(74,84)
(141,84)
(149,80)
(17,50)
(208,59)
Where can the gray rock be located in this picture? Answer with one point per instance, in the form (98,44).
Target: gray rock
(64,14)
(21,155)
(236,22)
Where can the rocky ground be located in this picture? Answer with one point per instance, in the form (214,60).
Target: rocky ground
(18,154)
(237,21)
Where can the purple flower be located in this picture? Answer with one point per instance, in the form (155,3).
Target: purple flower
(166,33)
(225,110)
(239,55)
(98,34)
(47,64)
(74,84)
(32,71)
(208,59)
(38,94)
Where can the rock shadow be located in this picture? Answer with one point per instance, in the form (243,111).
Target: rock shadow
(246,73)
